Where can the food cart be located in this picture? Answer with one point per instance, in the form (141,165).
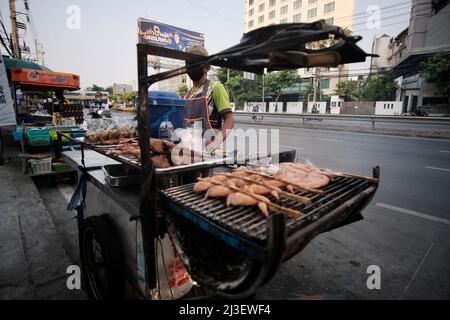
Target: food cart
(36,129)
(225,251)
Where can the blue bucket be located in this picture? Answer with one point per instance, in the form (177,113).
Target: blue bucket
(163,104)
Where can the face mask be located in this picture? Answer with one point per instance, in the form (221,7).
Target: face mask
(196,73)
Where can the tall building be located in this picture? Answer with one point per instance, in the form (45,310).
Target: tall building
(404,54)
(261,13)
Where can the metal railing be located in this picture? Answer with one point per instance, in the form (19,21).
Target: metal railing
(343,117)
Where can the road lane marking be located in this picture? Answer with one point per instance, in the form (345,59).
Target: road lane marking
(330,139)
(417,270)
(444,151)
(439,169)
(413,213)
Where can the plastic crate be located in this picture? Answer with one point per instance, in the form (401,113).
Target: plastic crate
(40,166)
(61,167)
(39,138)
(78,135)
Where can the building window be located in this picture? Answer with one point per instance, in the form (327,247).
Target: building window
(312,1)
(297,18)
(261,7)
(325,84)
(284,9)
(297,4)
(260,19)
(250,13)
(312,13)
(328,7)
(250,2)
(329,21)
(250,24)
(272,3)
(282,21)
(272,14)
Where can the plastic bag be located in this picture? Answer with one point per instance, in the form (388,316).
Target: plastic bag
(173,281)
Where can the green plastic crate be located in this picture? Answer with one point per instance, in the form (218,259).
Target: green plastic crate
(39,138)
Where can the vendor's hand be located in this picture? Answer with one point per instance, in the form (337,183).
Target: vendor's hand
(210,147)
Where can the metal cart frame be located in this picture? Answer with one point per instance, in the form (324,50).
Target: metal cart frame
(270,48)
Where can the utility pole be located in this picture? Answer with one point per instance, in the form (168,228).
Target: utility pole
(15,32)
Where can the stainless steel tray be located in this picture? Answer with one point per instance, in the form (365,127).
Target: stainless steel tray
(120,175)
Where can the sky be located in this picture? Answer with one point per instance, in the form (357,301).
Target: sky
(103,50)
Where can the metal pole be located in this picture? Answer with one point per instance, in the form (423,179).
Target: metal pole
(146,199)
(263,94)
(15,32)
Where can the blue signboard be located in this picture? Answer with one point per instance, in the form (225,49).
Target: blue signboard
(166,36)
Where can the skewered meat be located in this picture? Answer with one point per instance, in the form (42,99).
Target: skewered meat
(237,199)
(218,192)
(161,161)
(202,186)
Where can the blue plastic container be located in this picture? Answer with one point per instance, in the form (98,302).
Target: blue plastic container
(163,104)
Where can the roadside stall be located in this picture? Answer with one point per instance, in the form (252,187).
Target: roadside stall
(41,112)
(146,231)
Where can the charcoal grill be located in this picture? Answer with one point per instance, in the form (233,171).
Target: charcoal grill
(257,242)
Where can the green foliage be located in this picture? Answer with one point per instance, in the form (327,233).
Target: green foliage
(349,89)
(241,90)
(109,90)
(275,82)
(381,87)
(129,96)
(437,69)
(97,88)
(182,90)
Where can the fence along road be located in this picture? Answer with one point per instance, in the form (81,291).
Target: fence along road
(372,121)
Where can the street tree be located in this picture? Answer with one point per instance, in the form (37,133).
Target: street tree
(275,82)
(129,96)
(97,88)
(436,70)
(182,90)
(381,87)
(349,89)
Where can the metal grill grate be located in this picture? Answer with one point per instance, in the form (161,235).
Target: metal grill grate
(249,223)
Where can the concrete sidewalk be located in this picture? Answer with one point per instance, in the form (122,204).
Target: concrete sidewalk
(33,260)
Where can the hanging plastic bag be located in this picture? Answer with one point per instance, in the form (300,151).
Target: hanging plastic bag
(173,281)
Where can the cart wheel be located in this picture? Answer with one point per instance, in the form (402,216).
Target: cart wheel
(100,259)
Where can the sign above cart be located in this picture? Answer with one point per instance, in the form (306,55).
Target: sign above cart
(30,79)
(166,36)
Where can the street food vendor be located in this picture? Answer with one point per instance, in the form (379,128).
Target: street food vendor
(208,102)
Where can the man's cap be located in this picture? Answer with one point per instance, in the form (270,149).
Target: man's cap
(198,50)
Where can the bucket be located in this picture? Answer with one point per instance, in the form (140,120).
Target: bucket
(163,104)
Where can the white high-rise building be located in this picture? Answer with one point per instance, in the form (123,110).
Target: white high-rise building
(261,13)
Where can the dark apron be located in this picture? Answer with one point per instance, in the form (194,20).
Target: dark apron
(197,109)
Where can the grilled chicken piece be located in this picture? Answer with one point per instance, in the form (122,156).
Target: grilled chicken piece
(239,199)
(202,186)
(263,208)
(218,192)
(161,161)
(315,181)
(157,146)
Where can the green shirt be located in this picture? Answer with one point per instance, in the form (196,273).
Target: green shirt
(218,97)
